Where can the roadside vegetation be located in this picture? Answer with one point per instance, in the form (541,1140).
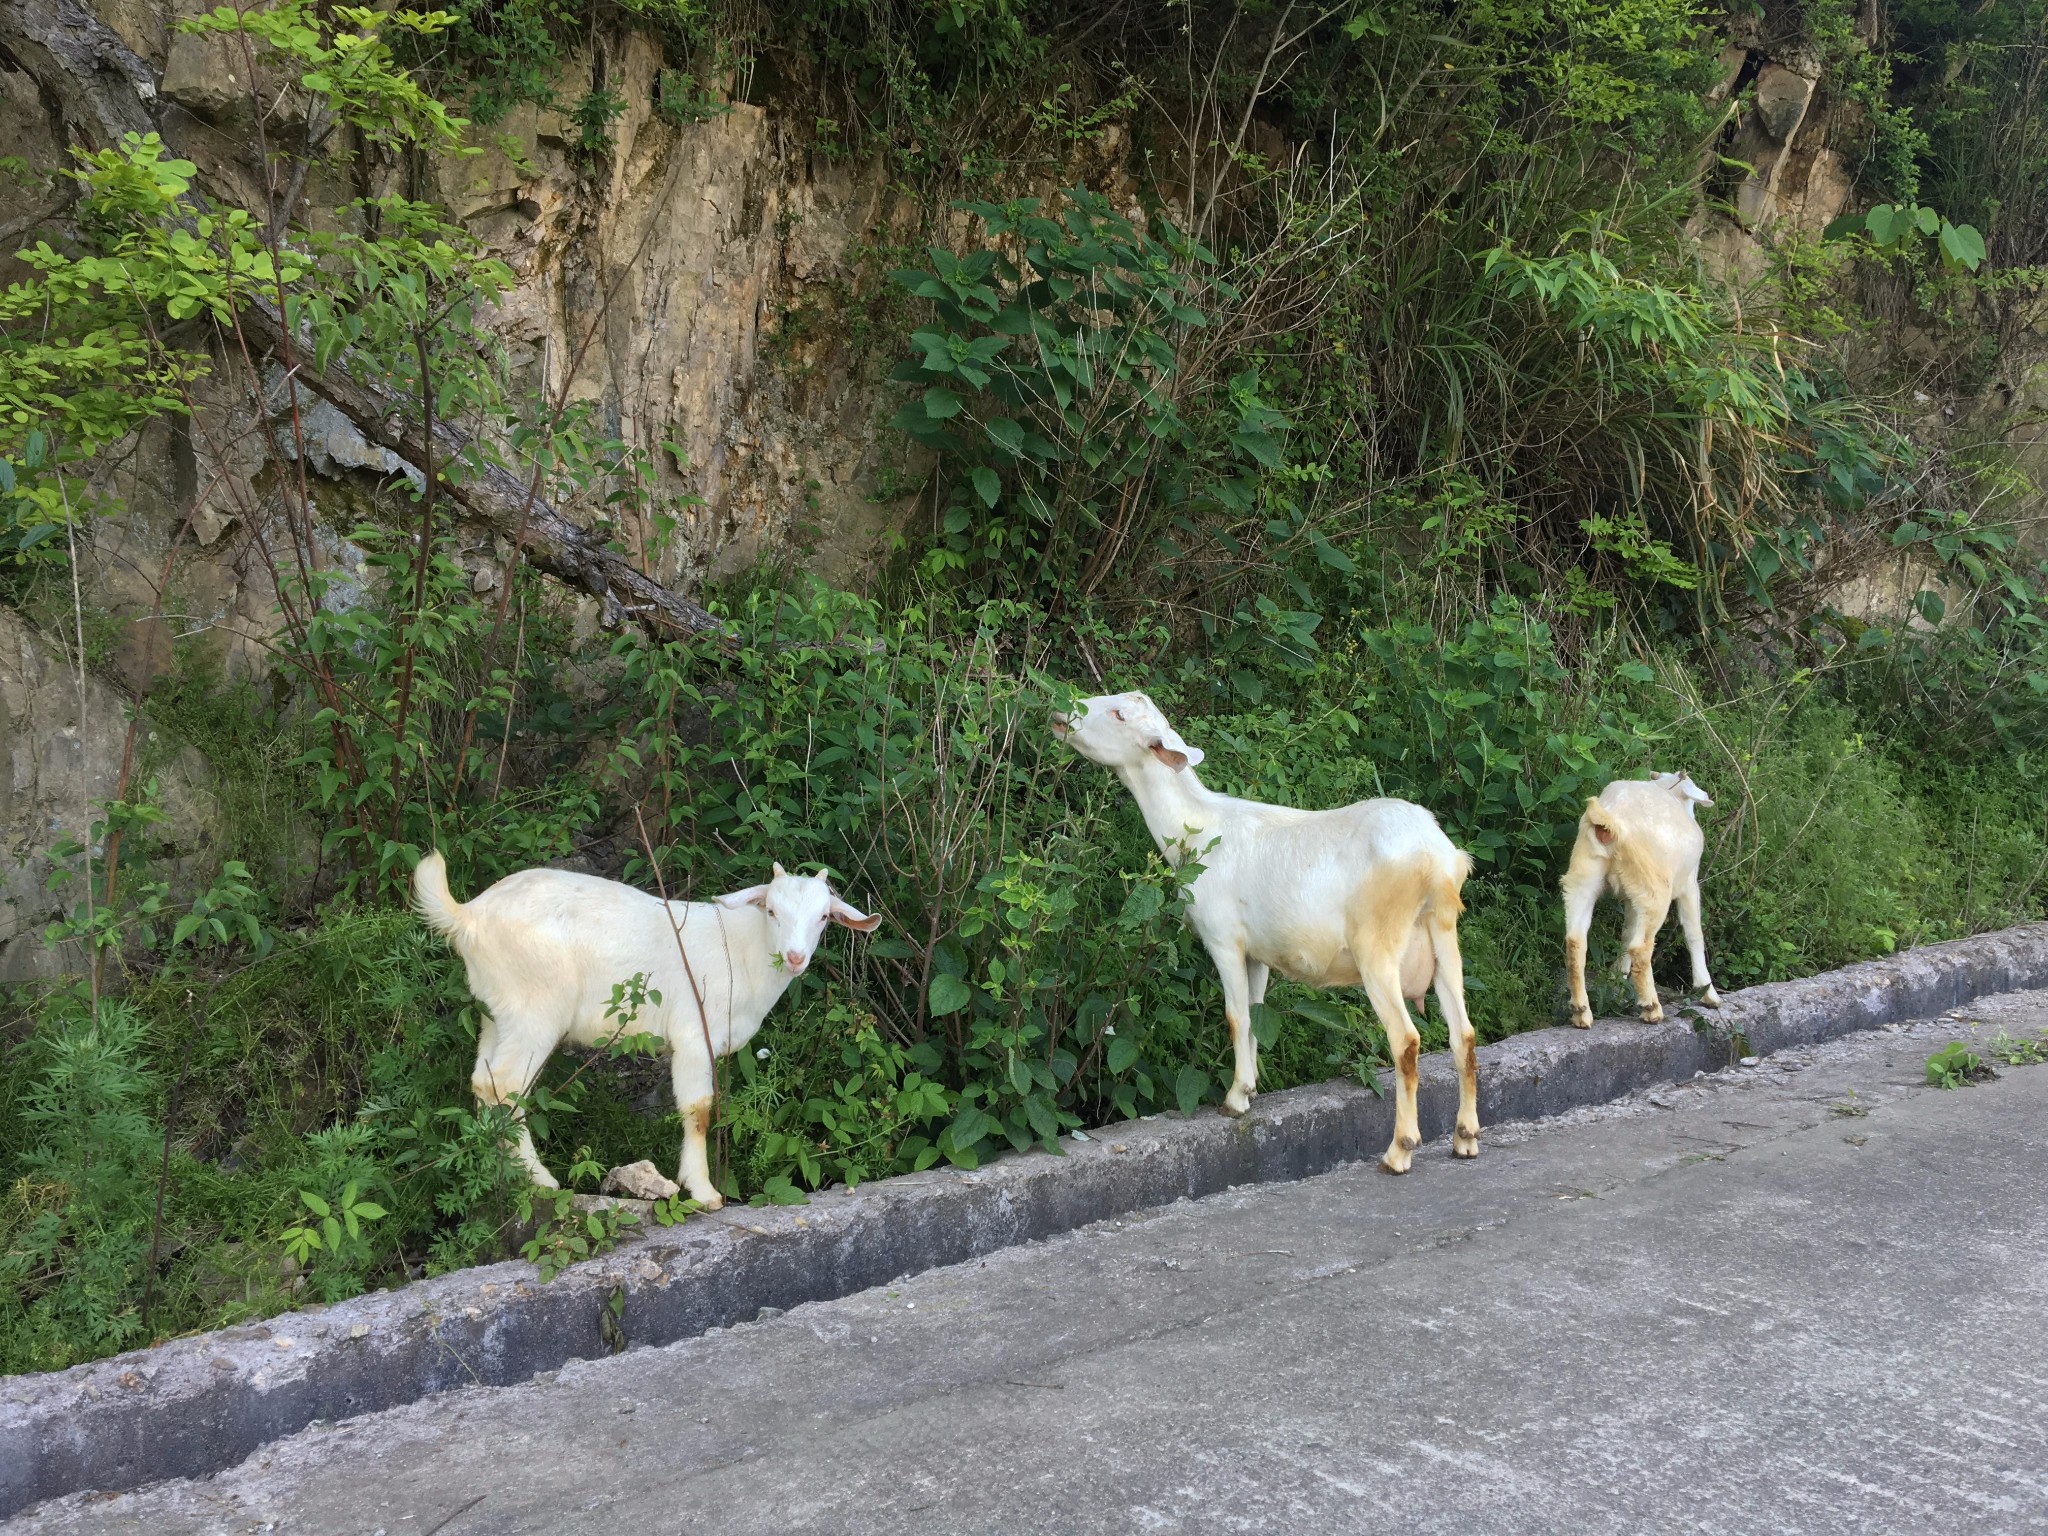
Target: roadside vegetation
(1430,463)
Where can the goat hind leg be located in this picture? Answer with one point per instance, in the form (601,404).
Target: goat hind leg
(1450,1001)
(1382,979)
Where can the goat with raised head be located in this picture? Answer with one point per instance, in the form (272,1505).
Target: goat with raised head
(1366,895)
(545,949)
(1640,839)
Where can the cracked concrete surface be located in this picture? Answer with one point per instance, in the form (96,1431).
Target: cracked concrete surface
(1800,1296)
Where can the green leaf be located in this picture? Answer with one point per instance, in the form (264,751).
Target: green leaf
(1007,435)
(1635,672)
(1258,445)
(1141,905)
(940,403)
(949,994)
(1189,1086)
(1122,1052)
(1331,555)
(1042,1119)
(1962,246)
(1929,606)
(314,1203)
(370,1211)
(1265,1024)
(1320,1011)
(988,485)
(1883,223)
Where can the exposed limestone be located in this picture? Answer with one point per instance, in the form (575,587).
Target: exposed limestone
(60,756)
(638,1181)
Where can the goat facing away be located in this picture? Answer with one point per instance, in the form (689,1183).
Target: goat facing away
(1365,895)
(546,947)
(1639,839)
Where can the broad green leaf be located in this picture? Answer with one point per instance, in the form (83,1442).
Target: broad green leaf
(1265,1024)
(949,994)
(1962,246)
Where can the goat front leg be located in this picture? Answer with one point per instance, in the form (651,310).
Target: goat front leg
(1644,919)
(693,1082)
(1581,895)
(1235,974)
(1695,941)
(508,1060)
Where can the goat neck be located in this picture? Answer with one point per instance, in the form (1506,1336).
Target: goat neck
(1177,807)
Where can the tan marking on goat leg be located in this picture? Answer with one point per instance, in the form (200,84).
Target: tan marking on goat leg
(696,1181)
(1645,985)
(1411,1078)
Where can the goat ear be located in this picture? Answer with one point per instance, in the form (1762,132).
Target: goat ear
(752,896)
(1172,751)
(853,917)
(779,871)
(1685,789)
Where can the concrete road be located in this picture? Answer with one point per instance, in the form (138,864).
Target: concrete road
(1806,1296)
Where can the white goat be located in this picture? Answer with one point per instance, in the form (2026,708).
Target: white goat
(1638,838)
(1366,895)
(544,949)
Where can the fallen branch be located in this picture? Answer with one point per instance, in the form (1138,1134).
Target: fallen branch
(489,497)
(99,83)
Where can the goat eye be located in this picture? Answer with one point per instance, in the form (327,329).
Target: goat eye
(1118,713)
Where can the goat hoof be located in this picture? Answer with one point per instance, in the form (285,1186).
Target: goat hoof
(1395,1161)
(1710,998)
(710,1202)
(1236,1102)
(1582,1018)
(1463,1145)
(1654,1014)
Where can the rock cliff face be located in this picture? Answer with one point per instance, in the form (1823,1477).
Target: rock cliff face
(657,282)
(62,739)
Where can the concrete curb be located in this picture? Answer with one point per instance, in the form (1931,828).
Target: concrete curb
(199,1404)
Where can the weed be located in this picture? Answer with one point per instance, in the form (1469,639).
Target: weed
(2018,1051)
(1954,1066)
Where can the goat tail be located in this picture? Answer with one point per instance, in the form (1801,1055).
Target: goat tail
(437,906)
(1444,890)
